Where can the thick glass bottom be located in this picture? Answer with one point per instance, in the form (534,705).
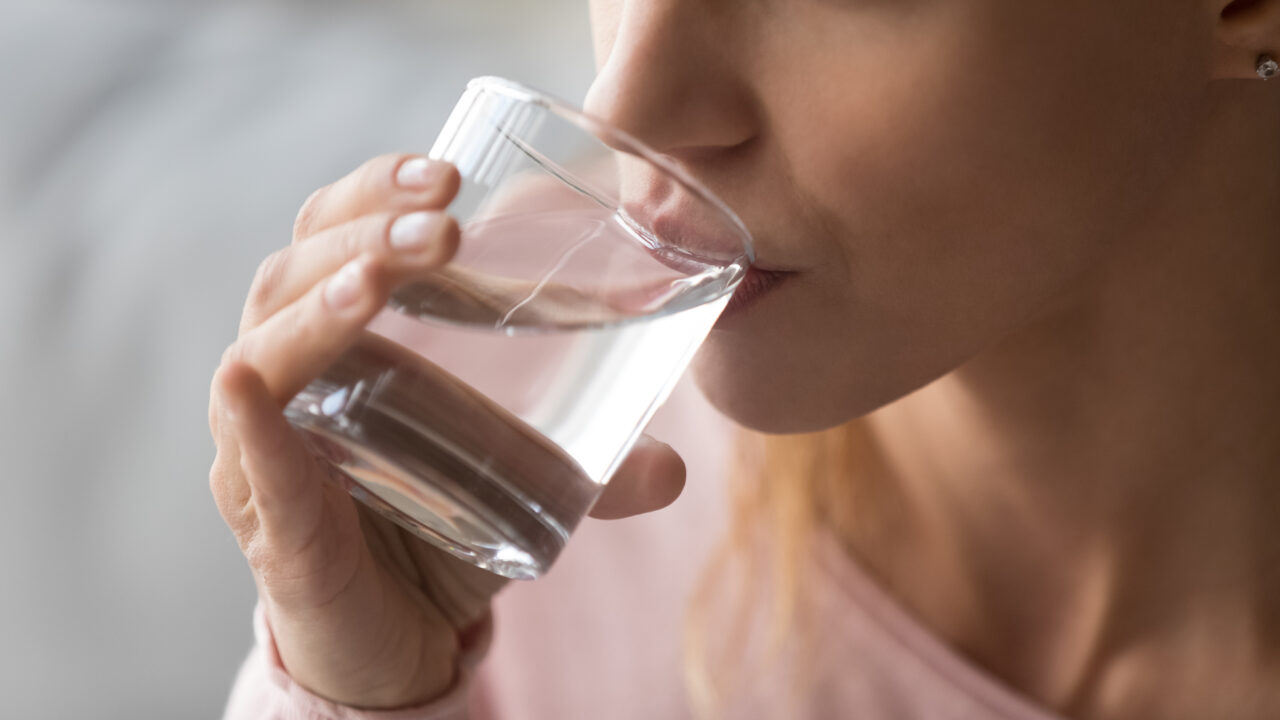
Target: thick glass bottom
(435,457)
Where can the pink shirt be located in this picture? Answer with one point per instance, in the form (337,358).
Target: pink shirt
(600,635)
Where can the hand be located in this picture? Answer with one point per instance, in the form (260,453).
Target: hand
(363,613)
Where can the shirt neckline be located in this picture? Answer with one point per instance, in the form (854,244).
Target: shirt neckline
(902,628)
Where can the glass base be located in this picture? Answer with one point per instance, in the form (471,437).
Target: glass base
(440,459)
(435,510)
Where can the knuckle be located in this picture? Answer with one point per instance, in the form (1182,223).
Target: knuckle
(231,495)
(224,479)
(215,412)
(305,221)
(244,525)
(215,402)
(216,399)
(263,557)
(236,352)
(367,236)
(258,556)
(233,353)
(219,476)
(268,278)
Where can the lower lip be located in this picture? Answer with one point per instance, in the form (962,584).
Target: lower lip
(753,287)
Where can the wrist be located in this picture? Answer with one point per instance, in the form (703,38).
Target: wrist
(404,670)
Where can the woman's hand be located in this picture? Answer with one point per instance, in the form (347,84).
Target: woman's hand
(362,612)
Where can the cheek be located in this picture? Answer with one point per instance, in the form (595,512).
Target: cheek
(1003,141)
(1056,120)
(969,166)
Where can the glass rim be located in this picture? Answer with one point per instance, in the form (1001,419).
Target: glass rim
(629,143)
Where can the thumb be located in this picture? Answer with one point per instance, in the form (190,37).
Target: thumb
(651,478)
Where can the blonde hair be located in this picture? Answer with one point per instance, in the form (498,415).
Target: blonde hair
(784,490)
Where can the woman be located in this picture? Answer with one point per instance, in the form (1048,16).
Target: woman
(1018,355)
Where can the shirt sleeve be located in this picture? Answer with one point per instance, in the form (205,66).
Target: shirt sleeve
(264,690)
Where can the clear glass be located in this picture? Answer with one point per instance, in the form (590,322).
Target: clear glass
(488,405)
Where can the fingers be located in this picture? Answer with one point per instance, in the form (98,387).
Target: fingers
(275,470)
(391,207)
(407,244)
(389,183)
(651,478)
(300,534)
(296,344)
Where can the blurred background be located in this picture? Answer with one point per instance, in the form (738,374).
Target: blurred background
(152,152)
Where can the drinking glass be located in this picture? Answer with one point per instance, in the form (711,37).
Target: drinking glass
(486,407)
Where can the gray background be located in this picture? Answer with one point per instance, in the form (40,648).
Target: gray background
(151,153)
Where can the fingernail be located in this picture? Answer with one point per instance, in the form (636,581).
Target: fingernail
(417,173)
(413,231)
(344,287)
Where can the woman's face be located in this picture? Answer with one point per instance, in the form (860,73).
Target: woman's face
(933,172)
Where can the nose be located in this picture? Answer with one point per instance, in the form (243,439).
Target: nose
(669,79)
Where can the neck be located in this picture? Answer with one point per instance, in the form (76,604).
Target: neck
(1088,506)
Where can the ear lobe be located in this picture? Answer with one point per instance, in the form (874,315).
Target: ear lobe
(1245,30)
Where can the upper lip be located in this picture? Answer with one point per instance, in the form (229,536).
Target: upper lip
(700,238)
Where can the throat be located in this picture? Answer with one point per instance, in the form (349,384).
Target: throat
(1085,573)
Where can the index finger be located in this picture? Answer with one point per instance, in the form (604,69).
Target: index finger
(393,183)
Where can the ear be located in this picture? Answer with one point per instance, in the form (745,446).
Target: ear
(1245,30)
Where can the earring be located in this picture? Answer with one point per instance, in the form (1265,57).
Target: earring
(1267,67)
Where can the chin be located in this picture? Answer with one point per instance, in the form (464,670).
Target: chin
(752,395)
(784,386)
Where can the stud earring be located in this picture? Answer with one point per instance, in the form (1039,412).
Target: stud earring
(1267,67)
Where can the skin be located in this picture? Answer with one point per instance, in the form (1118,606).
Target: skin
(1034,246)
(1038,243)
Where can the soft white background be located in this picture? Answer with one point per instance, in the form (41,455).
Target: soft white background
(151,153)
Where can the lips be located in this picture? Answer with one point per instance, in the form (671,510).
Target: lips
(757,283)
(687,241)
(699,238)
(690,229)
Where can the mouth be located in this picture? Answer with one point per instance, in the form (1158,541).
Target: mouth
(689,240)
(690,231)
(756,284)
